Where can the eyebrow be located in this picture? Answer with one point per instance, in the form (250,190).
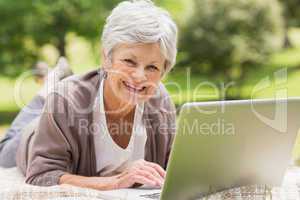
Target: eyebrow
(154,62)
(132,55)
(135,57)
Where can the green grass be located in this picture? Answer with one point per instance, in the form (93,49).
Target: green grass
(199,88)
(15,94)
(286,58)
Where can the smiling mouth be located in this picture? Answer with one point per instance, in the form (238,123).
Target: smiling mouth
(132,88)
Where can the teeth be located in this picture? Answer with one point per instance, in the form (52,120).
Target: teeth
(132,87)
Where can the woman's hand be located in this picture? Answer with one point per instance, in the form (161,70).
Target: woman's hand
(141,172)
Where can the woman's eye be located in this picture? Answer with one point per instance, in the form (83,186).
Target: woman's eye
(153,68)
(129,61)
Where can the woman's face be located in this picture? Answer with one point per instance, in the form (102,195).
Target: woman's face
(135,71)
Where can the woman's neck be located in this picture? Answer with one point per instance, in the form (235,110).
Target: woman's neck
(113,107)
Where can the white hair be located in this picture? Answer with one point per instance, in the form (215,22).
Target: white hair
(140,21)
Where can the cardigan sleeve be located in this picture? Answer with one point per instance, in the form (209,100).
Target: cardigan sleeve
(50,152)
(170,119)
(161,117)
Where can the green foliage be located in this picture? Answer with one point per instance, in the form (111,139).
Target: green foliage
(13,53)
(178,11)
(226,38)
(28,25)
(291,12)
(50,21)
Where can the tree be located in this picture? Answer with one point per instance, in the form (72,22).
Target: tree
(291,16)
(28,25)
(291,12)
(14,50)
(226,39)
(50,21)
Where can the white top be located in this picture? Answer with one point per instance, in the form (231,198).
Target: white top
(110,157)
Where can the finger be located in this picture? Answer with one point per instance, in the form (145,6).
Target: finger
(157,167)
(159,182)
(143,180)
(153,171)
(133,178)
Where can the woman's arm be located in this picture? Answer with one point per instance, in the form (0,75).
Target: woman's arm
(50,154)
(139,172)
(98,183)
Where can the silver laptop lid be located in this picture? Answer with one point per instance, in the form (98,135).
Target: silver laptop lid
(226,144)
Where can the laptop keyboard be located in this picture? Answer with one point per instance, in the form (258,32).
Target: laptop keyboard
(151,196)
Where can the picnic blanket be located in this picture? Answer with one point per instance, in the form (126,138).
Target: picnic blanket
(12,187)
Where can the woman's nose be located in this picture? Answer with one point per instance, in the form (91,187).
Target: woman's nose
(139,75)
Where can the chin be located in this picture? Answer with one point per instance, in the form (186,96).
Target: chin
(132,99)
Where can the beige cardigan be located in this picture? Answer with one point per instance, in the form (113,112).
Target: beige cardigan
(62,141)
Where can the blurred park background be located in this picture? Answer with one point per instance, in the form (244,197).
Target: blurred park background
(220,42)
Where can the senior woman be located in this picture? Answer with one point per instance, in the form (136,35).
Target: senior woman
(111,128)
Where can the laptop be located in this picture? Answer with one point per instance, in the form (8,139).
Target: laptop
(228,144)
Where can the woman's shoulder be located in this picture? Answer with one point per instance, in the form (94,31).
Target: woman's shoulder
(80,90)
